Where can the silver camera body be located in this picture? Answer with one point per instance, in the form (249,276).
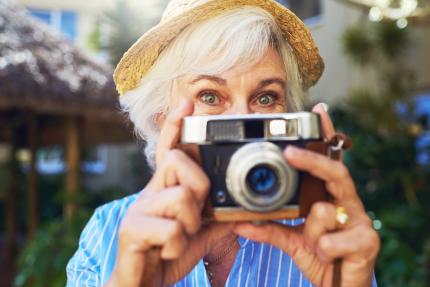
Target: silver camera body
(243,157)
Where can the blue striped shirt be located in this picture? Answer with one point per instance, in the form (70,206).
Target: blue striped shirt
(256,264)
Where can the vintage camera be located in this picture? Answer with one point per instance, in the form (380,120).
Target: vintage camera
(243,157)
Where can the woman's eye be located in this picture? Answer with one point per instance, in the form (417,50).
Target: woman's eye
(266,100)
(209,98)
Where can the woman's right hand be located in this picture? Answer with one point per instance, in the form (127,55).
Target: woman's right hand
(161,238)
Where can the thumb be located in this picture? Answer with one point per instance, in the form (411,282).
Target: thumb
(286,238)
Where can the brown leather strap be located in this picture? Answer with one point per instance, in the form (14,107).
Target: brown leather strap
(152,273)
(338,138)
(312,188)
(338,143)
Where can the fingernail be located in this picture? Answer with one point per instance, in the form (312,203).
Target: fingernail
(324,106)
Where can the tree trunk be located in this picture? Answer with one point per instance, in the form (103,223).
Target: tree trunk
(73,159)
(32,200)
(10,205)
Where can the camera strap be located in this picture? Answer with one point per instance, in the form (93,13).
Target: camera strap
(313,189)
(337,144)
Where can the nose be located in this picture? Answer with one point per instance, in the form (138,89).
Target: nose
(238,108)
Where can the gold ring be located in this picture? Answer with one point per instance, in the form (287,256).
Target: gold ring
(341,216)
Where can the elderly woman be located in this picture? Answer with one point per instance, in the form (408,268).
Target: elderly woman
(210,57)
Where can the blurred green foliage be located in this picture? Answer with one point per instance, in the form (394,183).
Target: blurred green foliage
(124,25)
(42,262)
(94,39)
(381,119)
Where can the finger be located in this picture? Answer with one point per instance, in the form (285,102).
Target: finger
(317,164)
(171,129)
(321,219)
(322,167)
(326,122)
(141,233)
(358,244)
(287,238)
(175,242)
(179,169)
(338,180)
(175,203)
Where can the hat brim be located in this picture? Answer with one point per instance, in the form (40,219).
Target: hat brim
(141,56)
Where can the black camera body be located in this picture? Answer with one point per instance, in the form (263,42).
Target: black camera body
(243,158)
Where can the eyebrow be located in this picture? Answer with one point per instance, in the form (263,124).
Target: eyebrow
(223,82)
(216,79)
(270,81)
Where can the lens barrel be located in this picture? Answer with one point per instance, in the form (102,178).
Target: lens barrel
(259,179)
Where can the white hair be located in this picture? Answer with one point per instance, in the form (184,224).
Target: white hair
(239,37)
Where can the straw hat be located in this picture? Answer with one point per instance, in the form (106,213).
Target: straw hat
(138,60)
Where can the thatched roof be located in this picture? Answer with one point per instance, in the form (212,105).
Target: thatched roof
(43,71)
(42,74)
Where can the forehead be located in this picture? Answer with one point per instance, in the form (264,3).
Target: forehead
(271,64)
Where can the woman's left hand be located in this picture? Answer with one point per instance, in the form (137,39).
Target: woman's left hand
(315,245)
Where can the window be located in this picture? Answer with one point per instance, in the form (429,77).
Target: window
(309,11)
(45,16)
(68,24)
(62,21)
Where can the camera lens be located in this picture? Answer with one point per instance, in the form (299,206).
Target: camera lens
(262,180)
(259,179)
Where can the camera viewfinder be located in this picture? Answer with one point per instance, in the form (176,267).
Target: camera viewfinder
(254,129)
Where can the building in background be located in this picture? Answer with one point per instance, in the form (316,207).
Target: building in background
(77,19)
